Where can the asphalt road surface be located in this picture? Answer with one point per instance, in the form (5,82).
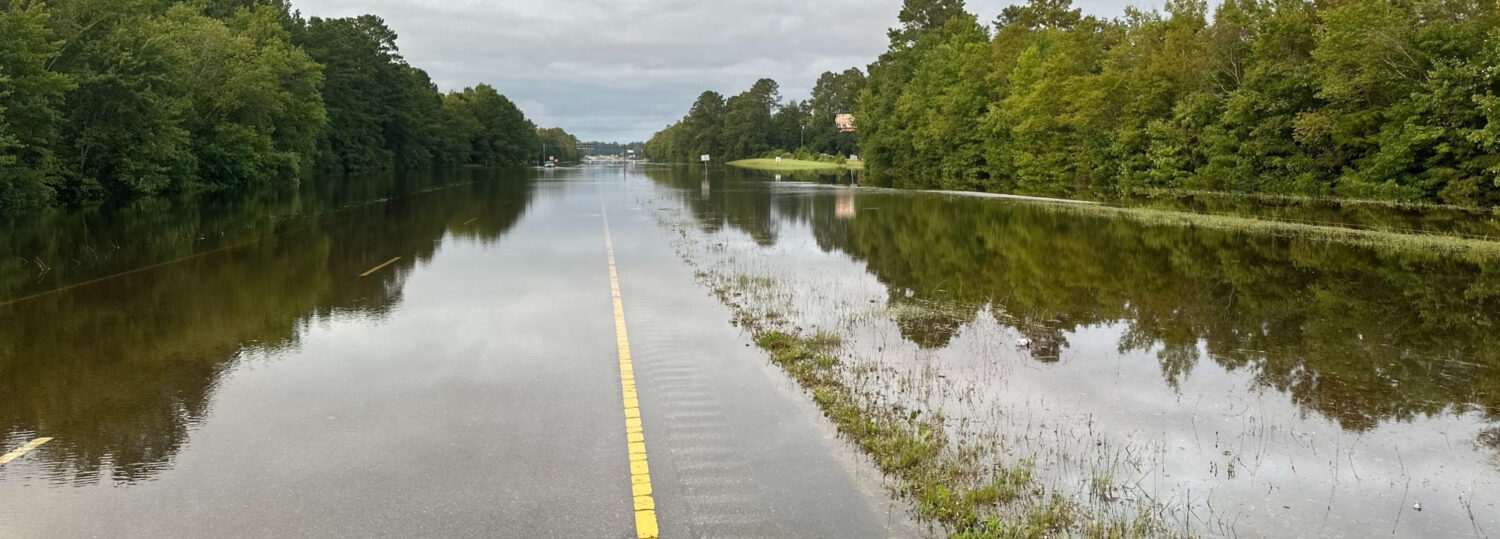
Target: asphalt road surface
(465,362)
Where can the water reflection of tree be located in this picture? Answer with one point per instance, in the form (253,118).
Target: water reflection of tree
(119,372)
(731,198)
(1358,335)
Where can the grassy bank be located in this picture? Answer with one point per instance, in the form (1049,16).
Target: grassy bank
(944,485)
(1477,249)
(1311,199)
(1473,247)
(796,164)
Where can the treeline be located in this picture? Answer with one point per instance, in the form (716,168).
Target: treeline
(756,122)
(1358,98)
(119,98)
(558,144)
(1354,98)
(614,148)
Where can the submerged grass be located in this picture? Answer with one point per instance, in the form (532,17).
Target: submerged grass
(948,482)
(1472,247)
(955,479)
(1476,249)
(944,486)
(1309,199)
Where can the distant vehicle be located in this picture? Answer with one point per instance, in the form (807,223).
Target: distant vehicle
(550,164)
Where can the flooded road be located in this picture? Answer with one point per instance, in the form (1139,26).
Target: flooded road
(419,357)
(439,356)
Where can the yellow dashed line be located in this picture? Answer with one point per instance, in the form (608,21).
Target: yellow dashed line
(13,455)
(129,272)
(635,436)
(380,267)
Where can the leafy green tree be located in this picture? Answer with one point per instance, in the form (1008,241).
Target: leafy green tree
(1399,81)
(882,133)
(360,61)
(413,131)
(123,127)
(1167,60)
(788,125)
(124,98)
(661,146)
(918,16)
(499,133)
(31,97)
(700,134)
(832,95)
(747,128)
(555,142)
(941,107)
(1059,113)
(1359,98)
(254,107)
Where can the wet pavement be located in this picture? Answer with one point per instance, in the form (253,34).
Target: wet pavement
(217,376)
(438,356)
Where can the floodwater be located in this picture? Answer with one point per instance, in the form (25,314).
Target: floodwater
(1238,384)
(419,356)
(250,365)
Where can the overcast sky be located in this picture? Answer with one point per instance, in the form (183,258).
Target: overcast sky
(620,70)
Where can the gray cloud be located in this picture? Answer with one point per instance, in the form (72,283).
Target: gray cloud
(623,69)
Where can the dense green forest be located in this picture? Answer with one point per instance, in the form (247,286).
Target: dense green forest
(121,98)
(756,122)
(560,145)
(613,148)
(1354,98)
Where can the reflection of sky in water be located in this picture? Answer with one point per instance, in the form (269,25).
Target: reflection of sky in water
(1335,424)
(119,372)
(1230,450)
(387,406)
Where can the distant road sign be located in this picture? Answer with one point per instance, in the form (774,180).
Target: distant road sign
(703,158)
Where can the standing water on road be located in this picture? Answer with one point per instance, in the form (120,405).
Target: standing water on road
(1195,380)
(411,356)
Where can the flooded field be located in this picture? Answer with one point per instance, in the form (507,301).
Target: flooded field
(1178,379)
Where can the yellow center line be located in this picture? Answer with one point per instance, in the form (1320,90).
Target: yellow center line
(635,436)
(380,267)
(13,455)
